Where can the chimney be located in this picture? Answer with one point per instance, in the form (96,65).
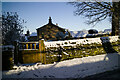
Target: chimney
(50,20)
(28,32)
(56,24)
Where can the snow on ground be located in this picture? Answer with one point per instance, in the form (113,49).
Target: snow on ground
(75,68)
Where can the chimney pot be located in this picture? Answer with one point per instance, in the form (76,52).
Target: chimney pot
(56,24)
(50,20)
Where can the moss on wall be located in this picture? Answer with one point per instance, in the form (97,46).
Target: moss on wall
(81,50)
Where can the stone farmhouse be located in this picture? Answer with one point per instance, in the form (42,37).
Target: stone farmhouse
(48,32)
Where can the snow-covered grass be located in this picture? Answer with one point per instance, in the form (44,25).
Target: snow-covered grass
(75,68)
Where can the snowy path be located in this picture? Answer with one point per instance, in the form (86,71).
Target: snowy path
(75,68)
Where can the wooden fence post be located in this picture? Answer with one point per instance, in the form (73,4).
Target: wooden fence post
(16,44)
(35,46)
(26,46)
(30,46)
(23,46)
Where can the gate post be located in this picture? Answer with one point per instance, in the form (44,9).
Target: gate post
(41,45)
(42,50)
(16,50)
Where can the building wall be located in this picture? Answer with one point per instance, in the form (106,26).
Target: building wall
(48,32)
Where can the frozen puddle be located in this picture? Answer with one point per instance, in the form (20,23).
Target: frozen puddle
(75,68)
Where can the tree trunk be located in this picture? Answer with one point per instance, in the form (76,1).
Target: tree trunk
(115,18)
(119,19)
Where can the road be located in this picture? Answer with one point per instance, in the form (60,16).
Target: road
(108,75)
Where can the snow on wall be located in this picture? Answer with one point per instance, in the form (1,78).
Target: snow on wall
(80,41)
(113,38)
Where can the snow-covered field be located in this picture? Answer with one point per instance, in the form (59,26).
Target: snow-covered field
(75,68)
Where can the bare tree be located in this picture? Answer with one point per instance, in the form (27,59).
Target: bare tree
(98,11)
(12,27)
